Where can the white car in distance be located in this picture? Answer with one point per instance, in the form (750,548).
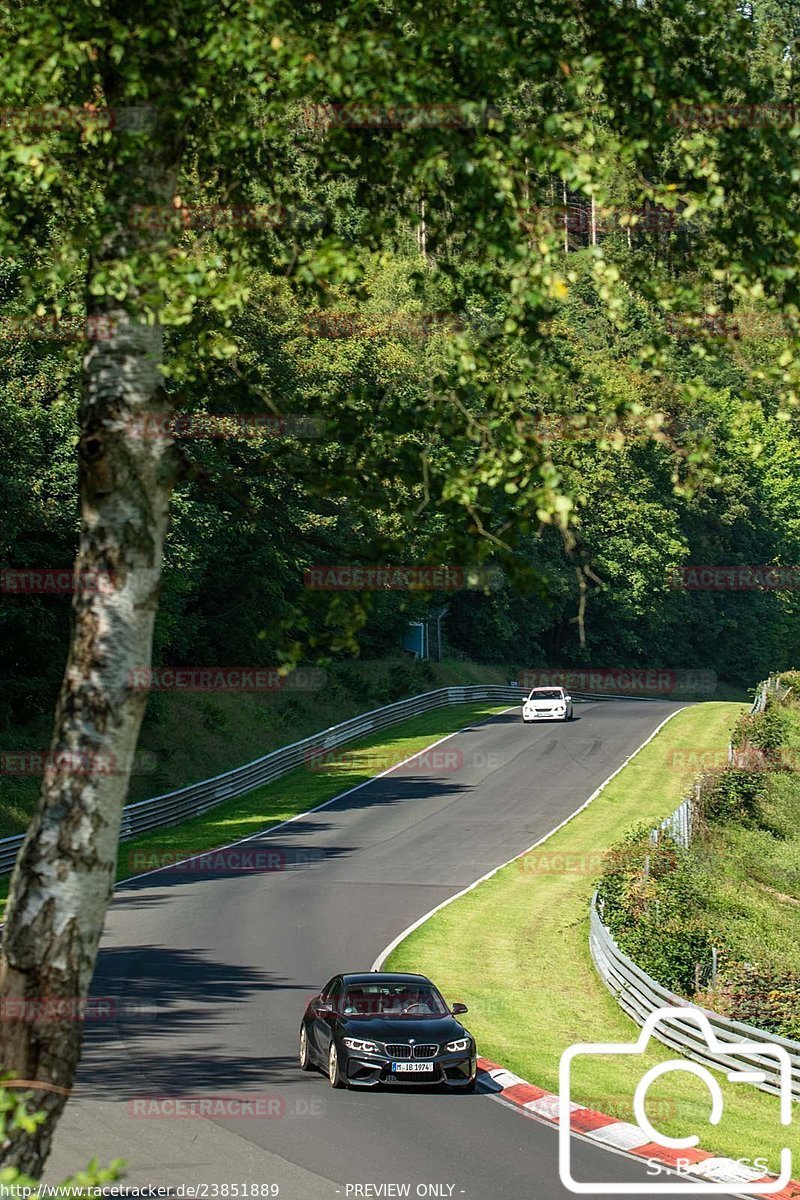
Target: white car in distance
(547,704)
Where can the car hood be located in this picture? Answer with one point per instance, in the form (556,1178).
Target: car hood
(437,1029)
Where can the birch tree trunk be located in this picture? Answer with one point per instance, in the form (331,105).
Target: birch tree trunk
(63,878)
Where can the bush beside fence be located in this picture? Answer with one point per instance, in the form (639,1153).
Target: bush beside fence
(638,994)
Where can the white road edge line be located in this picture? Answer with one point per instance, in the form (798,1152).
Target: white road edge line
(380,960)
(317,808)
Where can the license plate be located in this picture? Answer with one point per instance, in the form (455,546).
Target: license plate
(412,1066)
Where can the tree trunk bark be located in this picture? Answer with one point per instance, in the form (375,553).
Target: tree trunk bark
(422,233)
(62,882)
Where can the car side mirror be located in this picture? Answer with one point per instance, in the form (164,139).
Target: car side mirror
(323,1009)
(457,1009)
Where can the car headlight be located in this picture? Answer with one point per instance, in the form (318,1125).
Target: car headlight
(459,1044)
(360,1045)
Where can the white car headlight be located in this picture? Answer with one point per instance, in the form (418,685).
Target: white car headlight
(360,1045)
(459,1044)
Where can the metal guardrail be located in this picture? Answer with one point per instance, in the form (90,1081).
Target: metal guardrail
(639,995)
(174,807)
(198,798)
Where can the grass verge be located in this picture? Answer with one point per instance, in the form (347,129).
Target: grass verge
(304,788)
(516,951)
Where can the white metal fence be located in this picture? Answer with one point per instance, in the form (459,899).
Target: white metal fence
(680,824)
(639,995)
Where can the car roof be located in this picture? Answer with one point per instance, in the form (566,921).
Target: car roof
(550,687)
(384,977)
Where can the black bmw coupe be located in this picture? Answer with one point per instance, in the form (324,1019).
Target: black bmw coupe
(363,1030)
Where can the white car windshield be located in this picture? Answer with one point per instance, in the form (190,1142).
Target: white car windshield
(547,694)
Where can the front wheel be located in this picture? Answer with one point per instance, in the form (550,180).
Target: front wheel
(334,1074)
(305,1052)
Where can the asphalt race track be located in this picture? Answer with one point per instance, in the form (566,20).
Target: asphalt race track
(211,973)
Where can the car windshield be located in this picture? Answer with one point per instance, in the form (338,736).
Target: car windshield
(547,694)
(393,1000)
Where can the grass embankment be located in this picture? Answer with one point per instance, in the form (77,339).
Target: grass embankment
(754,861)
(354,763)
(754,899)
(187,737)
(719,922)
(516,951)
